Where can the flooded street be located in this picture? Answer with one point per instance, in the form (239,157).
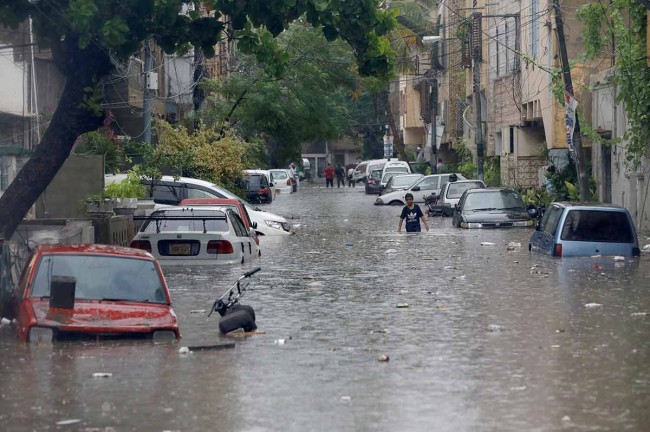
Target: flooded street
(492,339)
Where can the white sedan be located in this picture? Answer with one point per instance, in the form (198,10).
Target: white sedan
(282,181)
(196,235)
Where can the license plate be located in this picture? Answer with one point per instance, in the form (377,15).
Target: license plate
(180,249)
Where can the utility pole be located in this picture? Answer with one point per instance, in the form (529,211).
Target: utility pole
(434,126)
(477,48)
(147,103)
(583,181)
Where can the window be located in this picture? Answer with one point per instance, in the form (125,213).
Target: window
(165,193)
(237,224)
(180,220)
(597,226)
(550,220)
(102,277)
(199,193)
(429,183)
(512,140)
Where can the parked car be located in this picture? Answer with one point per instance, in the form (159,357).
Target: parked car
(258,188)
(399,182)
(579,229)
(196,235)
(171,191)
(425,186)
(282,181)
(74,291)
(492,208)
(396,166)
(233,204)
(450,195)
(373,182)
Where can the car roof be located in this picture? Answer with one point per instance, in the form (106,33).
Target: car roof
(589,205)
(117,178)
(209,201)
(97,249)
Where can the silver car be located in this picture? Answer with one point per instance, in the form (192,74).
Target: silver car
(569,229)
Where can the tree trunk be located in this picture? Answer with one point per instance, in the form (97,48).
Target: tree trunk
(397,140)
(72,117)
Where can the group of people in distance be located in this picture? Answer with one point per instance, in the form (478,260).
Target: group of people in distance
(340,174)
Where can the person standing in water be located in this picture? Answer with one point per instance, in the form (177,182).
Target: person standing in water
(413,215)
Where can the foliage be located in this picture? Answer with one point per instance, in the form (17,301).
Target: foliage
(212,153)
(466,166)
(535,196)
(617,29)
(318,97)
(131,187)
(96,143)
(492,171)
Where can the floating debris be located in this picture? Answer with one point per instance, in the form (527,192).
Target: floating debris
(593,305)
(68,422)
(390,251)
(619,258)
(402,305)
(383,358)
(640,314)
(280,341)
(184,350)
(494,328)
(513,246)
(487,244)
(102,375)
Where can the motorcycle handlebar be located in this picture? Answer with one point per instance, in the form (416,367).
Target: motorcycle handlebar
(252,272)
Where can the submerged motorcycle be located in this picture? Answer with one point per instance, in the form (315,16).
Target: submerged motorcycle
(235,316)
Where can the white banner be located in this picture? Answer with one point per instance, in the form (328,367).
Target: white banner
(570,105)
(388,146)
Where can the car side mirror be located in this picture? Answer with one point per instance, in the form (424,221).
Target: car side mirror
(416,188)
(532,210)
(271,184)
(254,225)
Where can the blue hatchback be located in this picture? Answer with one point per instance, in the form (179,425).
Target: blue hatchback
(580,229)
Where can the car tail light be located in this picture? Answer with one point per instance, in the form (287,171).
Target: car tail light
(557,250)
(141,244)
(264,191)
(220,247)
(289,182)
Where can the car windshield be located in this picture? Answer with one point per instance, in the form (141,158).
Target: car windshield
(279,175)
(455,190)
(375,174)
(101,277)
(193,220)
(253,182)
(397,169)
(401,180)
(493,200)
(597,226)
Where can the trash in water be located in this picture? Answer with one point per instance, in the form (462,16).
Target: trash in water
(346,398)
(566,419)
(383,358)
(68,422)
(494,328)
(348,244)
(513,246)
(619,258)
(280,341)
(184,350)
(441,307)
(4,322)
(593,305)
(449,268)
(102,375)
(461,277)
(198,311)
(646,248)
(316,284)
(640,313)
(487,244)
(596,267)
(388,251)
(402,305)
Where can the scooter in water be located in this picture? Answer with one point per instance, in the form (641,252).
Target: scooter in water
(235,316)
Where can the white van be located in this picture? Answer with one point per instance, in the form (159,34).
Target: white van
(372,165)
(172,191)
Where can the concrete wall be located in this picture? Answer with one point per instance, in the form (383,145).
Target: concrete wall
(79,177)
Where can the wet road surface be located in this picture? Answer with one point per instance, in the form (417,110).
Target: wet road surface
(492,339)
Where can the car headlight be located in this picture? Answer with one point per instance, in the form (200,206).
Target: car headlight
(470,225)
(282,226)
(524,223)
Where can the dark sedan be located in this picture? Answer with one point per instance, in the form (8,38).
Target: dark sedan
(492,208)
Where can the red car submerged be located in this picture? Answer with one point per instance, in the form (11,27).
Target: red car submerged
(70,291)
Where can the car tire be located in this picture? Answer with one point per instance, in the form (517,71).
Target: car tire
(395,203)
(239,319)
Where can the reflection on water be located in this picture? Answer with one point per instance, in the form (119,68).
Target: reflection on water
(492,339)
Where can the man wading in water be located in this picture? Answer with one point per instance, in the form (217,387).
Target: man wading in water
(413,215)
